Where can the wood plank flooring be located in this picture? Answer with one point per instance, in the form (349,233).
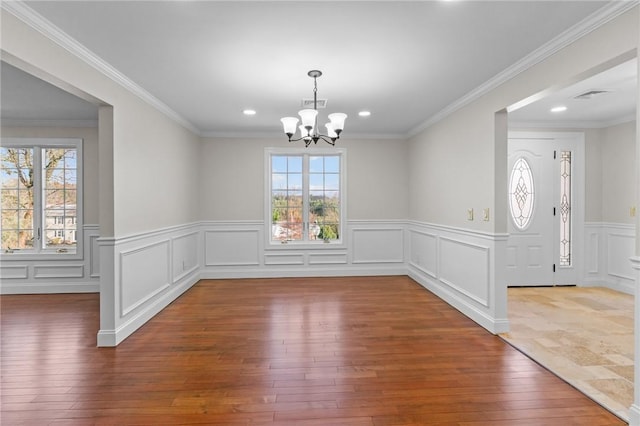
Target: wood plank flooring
(309,351)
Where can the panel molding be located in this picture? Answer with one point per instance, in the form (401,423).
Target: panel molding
(476,290)
(608,248)
(482,299)
(148,255)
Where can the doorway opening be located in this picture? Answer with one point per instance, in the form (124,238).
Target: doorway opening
(583,333)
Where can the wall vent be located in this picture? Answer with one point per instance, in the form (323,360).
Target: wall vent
(591,94)
(308,103)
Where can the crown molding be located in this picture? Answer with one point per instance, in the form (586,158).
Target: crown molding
(578,124)
(282,136)
(25,122)
(592,22)
(39,23)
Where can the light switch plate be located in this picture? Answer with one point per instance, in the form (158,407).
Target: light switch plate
(632,211)
(485,214)
(470,214)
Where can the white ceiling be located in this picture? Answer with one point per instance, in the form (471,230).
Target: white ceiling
(405,61)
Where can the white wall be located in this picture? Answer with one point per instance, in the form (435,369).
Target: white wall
(618,172)
(232,177)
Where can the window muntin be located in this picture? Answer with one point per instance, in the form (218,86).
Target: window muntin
(40,194)
(521,194)
(305,202)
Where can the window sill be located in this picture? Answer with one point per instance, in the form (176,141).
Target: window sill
(306,245)
(19,255)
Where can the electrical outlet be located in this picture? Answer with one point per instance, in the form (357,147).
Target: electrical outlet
(485,214)
(470,214)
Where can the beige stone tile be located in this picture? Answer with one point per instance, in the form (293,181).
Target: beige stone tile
(584,335)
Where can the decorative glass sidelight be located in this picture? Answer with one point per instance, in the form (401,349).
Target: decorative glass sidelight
(565,208)
(521,193)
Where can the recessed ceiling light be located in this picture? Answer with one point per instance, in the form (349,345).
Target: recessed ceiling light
(249,112)
(560,108)
(364,113)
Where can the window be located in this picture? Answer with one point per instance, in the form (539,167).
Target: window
(40,194)
(521,193)
(305,201)
(565,208)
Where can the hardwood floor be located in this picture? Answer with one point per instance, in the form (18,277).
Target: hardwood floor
(310,351)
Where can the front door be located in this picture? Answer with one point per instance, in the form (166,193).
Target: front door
(542,201)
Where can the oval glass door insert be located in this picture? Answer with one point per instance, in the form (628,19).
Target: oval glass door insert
(521,193)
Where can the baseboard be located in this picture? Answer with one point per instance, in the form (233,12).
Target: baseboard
(262,272)
(108,338)
(493,325)
(612,285)
(634,415)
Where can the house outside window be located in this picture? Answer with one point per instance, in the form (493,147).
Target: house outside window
(305,201)
(41,191)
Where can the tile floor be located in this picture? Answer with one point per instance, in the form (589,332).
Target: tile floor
(584,335)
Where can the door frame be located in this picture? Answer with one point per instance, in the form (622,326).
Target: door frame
(577,186)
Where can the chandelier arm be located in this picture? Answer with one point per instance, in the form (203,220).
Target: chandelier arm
(331,141)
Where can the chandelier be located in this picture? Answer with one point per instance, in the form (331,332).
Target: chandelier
(309,127)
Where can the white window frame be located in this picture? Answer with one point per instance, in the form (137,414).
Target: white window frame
(38,252)
(306,244)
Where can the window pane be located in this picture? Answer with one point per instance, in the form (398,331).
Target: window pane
(316,182)
(9,178)
(295,181)
(565,208)
(279,181)
(59,170)
(9,239)
(332,164)
(9,199)
(332,181)
(54,178)
(294,199)
(9,219)
(16,174)
(278,164)
(316,164)
(295,164)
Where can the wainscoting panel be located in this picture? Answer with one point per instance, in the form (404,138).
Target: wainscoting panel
(184,255)
(232,247)
(465,268)
(149,271)
(620,248)
(382,245)
(608,250)
(54,273)
(328,258)
(58,271)
(284,259)
(424,252)
(144,272)
(14,272)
